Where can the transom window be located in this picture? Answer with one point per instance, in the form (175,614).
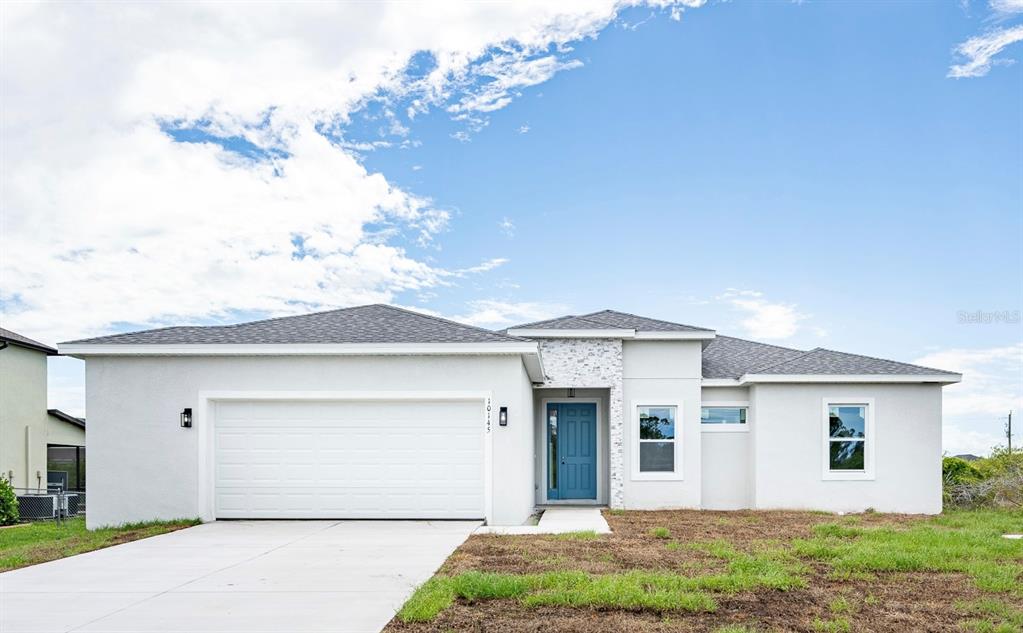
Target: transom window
(657,439)
(723,415)
(848,441)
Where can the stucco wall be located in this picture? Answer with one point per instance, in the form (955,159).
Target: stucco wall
(789,458)
(143,465)
(23,416)
(594,363)
(727,459)
(61,432)
(653,372)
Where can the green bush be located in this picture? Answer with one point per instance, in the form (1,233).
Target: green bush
(991,482)
(8,503)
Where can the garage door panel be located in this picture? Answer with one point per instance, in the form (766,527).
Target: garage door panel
(379,459)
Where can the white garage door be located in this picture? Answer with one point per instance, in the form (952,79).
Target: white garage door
(391,459)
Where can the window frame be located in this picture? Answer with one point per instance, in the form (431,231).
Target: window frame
(730,427)
(869,465)
(668,475)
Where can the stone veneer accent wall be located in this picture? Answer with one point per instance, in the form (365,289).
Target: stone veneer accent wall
(593,363)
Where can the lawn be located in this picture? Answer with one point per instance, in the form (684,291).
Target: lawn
(24,545)
(733,572)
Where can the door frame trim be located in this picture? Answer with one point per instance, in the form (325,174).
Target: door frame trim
(601,457)
(204,420)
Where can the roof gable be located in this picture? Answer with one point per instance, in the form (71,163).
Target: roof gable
(375,323)
(608,319)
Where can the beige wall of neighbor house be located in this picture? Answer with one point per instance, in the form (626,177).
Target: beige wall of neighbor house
(790,458)
(144,466)
(63,432)
(23,417)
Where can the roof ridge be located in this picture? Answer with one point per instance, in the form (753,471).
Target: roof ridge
(443,320)
(645,318)
(884,360)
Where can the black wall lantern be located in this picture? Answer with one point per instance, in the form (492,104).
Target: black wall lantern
(186,418)
(502,416)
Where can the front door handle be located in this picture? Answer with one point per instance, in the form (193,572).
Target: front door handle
(562,461)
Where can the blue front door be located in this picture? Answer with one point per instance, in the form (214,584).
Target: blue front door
(572,450)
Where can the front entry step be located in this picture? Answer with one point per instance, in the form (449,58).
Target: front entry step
(556,520)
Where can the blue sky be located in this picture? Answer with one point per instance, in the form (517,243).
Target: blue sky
(806,174)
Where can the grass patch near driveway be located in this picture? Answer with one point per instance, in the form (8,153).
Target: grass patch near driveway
(25,545)
(735,571)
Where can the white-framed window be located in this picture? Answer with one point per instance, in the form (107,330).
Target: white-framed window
(657,440)
(848,438)
(724,417)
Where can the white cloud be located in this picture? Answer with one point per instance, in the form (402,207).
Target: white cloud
(1006,6)
(507,227)
(765,319)
(979,51)
(958,441)
(992,381)
(494,314)
(524,129)
(107,219)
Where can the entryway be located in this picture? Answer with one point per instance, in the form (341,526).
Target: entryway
(571,450)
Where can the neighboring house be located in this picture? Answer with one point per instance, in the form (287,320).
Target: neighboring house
(65,450)
(379,412)
(33,439)
(967,457)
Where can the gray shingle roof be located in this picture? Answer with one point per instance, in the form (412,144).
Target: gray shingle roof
(17,339)
(826,361)
(609,319)
(376,323)
(728,357)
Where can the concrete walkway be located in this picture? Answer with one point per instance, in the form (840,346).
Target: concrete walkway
(557,520)
(235,576)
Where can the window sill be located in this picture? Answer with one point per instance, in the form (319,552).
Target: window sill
(674,476)
(724,428)
(851,476)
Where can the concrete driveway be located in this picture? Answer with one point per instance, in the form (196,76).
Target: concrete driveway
(242,576)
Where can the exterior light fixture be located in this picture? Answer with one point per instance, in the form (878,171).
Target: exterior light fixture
(571,393)
(502,416)
(186,418)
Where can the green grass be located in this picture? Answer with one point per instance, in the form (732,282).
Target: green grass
(968,543)
(840,606)
(651,590)
(582,535)
(45,541)
(995,616)
(660,532)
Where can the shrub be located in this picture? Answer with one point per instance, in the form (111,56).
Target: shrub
(8,503)
(993,482)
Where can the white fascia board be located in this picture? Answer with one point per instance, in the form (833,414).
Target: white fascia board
(607,333)
(945,379)
(614,333)
(338,349)
(721,382)
(676,336)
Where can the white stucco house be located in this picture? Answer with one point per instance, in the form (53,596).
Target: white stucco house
(379,412)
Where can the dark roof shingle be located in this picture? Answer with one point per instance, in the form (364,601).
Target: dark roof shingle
(822,361)
(17,339)
(729,357)
(609,319)
(376,323)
